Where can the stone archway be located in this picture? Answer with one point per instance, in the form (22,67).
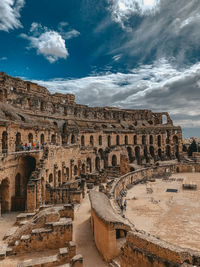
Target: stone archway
(137,155)
(114,160)
(17,141)
(5,195)
(97,164)
(4,142)
(25,168)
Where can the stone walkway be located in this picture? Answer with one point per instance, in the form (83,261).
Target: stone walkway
(83,237)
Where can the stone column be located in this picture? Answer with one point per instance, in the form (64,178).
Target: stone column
(31,196)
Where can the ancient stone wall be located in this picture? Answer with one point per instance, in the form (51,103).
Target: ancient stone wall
(105,225)
(63,140)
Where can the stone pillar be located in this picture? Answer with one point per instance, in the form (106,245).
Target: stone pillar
(31,196)
(38,193)
(79,168)
(55,175)
(71,169)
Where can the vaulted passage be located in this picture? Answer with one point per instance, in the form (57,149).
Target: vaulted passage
(26,167)
(4,195)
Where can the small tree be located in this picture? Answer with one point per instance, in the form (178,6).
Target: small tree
(192,148)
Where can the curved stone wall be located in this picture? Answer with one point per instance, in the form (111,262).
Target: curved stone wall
(140,248)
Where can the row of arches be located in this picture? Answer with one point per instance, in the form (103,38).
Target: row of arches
(152,140)
(139,153)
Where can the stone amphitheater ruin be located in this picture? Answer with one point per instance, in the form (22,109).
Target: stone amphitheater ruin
(58,156)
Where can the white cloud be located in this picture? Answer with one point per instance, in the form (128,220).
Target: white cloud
(47,42)
(3,58)
(66,32)
(160,87)
(122,9)
(10,14)
(70,34)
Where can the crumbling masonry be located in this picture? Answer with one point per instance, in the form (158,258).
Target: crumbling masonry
(51,146)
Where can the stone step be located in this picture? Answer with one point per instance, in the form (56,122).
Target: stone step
(9,251)
(43,261)
(10,232)
(2,254)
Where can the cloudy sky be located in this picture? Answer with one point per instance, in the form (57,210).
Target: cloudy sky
(126,53)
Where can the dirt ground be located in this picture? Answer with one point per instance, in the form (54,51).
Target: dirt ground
(173,217)
(82,235)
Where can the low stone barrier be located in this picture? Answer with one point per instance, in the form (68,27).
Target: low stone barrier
(140,248)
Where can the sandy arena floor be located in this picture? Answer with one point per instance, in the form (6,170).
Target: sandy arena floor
(173,217)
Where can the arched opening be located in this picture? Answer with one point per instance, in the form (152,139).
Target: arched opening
(144,140)
(114,160)
(65,111)
(29,104)
(135,140)
(91,140)
(167,137)
(4,142)
(160,153)
(42,140)
(126,140)
(30,138)
(137,155)
(151,150)
(177,152)
(100,140)
(26,165)
(55,124)
(18,185)
(130,154)
(73,140)
(168,151)
(75,170)
(159,140)
(4,195)
(42,106)
(53,139)
(89,165)
(151,139)
(59,177)
(97,164)
(120,233)
(164,119)
(175,139)
(5,93)
(18,142)
(109,140)
(75,112)
(53,108)
(82,140)
(117,140)
(1,95)
(83,169)
(146,154)
(50,178)
(67,172)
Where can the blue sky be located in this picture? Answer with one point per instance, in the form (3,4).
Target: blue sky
(126,53)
